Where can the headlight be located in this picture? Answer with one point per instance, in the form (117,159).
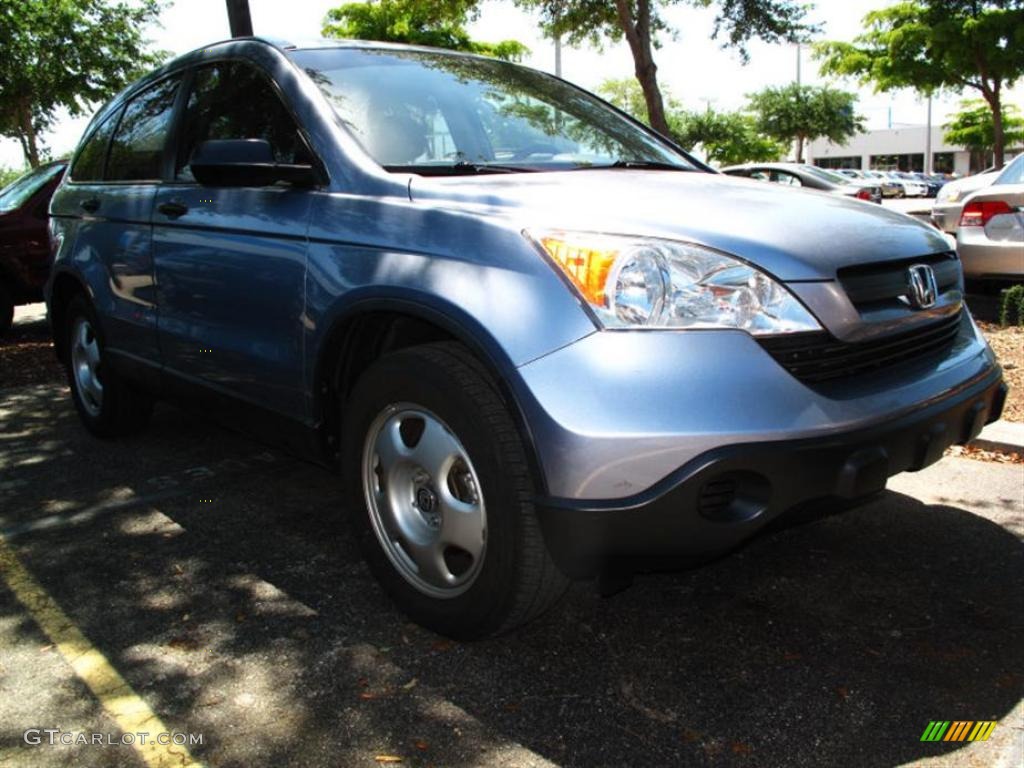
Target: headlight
(633,282)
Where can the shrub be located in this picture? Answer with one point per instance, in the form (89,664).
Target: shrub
(1011,307)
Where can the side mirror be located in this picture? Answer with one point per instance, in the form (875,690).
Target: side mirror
(244,163)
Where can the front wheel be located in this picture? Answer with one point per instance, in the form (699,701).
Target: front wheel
(108,405)
(441,495)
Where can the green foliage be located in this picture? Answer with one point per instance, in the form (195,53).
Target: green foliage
(70,54)
(972,127)
(640,23)
(7,175)
(417,22)
(739,21)
(1011,307)
(626,94)
(930,45)
(806,112)
(728,138)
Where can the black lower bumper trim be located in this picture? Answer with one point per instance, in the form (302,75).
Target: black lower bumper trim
(725,496)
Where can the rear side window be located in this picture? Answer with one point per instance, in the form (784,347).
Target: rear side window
(137,150)
(234,100)
(89,163)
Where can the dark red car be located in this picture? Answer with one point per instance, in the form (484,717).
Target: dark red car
(24,243)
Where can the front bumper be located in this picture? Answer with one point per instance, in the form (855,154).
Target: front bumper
(724,496)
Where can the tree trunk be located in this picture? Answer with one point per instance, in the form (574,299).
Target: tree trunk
(28,136)
(799,149)
(638,35)
(998,137)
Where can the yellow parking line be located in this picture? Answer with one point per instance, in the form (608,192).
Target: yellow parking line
(128,710)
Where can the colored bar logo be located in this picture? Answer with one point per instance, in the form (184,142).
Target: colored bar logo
(958,730)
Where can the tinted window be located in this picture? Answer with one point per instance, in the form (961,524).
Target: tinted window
(137,150)
(89,163)
(234,100)
(15,194)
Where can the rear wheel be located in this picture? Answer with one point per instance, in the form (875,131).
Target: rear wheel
(441,496)
(6,309)
(108,405)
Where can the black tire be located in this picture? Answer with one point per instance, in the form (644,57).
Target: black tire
(517,580)
(6,310)
(123,409)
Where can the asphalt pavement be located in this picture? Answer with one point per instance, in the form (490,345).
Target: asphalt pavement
(215,579)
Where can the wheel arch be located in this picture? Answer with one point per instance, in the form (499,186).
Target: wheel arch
(373,326)
(64,286)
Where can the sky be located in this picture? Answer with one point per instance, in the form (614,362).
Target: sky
(691,66)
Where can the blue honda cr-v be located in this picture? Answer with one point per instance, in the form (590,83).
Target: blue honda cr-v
(537,338)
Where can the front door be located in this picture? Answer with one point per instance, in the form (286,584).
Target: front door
(230,262)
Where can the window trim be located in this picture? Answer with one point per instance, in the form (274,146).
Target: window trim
(181,107)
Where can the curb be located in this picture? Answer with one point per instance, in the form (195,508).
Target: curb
(1003,436)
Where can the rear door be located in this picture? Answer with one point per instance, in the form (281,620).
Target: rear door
(113,186)
(230,261)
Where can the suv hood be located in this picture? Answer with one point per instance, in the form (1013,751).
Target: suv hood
(793,234)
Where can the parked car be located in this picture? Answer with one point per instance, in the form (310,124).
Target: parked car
(990,237)
(932,182)
(949,202)
(809,176)
(890,188)
(537,339)
(24,250)
(911,186)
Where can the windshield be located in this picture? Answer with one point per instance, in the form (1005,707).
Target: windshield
(14,195)
(432,112)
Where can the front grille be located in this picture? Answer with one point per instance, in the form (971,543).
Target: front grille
(869,285)
(819,356)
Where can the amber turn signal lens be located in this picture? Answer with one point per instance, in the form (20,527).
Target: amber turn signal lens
(587,268)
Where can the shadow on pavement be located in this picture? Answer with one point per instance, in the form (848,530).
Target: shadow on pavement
(248,616)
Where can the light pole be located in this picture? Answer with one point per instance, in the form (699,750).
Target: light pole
(928,140)
(239,18)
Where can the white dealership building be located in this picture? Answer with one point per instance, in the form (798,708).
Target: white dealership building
(894,149)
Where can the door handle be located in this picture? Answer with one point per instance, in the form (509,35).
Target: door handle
(172,209)
(90,204)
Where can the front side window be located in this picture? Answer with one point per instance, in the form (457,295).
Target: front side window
(234,100)
(19,191)
(438,113)
(137,149)
(92,157)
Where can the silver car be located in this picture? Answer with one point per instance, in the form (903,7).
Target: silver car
(536,339)
(949,202)
(990,238)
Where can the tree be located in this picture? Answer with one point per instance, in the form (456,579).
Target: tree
(804,113)
(972,128)
(728,138)
(419,22)
(640,22)
(71,54)
(929,45)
